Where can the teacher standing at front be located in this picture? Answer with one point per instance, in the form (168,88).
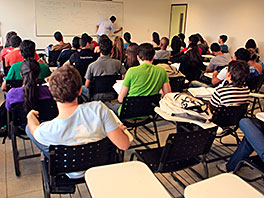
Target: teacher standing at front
(105,26)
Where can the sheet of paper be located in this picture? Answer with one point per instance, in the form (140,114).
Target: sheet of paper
(209,75)
(201,91)
(176,65)
(118,85)
(256,95)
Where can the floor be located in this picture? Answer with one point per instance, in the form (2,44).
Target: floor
(29,184)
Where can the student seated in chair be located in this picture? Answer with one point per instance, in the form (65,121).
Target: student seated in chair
(61,45)
(27,49)
(104,65)
(145,79)
(163,53)
(75,124)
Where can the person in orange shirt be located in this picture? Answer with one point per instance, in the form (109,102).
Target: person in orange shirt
(15,56)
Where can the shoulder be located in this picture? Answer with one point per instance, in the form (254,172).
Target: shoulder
(15,91)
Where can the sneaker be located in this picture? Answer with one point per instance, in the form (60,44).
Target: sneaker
(222,167)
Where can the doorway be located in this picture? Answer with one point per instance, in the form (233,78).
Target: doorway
(178,19)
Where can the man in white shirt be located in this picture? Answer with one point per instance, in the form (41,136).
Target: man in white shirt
(105,27)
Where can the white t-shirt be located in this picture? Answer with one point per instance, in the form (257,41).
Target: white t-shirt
(105,26)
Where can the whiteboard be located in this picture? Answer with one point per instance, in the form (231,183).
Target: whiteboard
(74,17)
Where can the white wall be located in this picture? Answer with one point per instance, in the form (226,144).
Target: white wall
(239,19)
(141,18)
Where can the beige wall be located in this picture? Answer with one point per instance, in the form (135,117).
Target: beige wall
(239,19)
(141,18)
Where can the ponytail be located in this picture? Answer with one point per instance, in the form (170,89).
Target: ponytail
(30,71)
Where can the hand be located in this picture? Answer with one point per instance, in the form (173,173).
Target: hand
(215,73)
(121,29)
(122,126)
(33,114)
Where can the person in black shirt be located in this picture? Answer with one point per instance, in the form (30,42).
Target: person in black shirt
(81,60)
(66,53)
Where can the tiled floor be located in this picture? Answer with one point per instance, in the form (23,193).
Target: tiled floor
(29,184)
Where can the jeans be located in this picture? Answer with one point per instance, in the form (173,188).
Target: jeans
(41,147)
(252,141)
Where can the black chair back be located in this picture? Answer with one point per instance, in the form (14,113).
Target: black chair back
(47,111)
(180,146)
(226,116)
(103,84)
(137,106)
(255,83)
(66,159)
(53,57)
(13,84)
(177,83)
(158,61)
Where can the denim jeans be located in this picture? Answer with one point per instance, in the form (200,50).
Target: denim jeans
(41,147)
(252,141)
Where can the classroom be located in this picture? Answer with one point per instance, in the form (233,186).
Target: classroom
(36,20)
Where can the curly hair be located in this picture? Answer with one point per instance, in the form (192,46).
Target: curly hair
(65,84)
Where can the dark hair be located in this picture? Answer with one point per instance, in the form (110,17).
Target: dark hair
(146,52)
(105,46)
(58,36)
(242,54)
(156,38)
(253,54)
(76,42)
(200,37)
(118,49)
(176,44)
(193,39)
(112,18)
(223,38)
(8,38)
(85,38)
(239,71)
(30,71)
(127,37)
(65,84)
(164,42)
(15,41)
(27,49)
(251,44)
(181,36)
(132,52)
(215,47)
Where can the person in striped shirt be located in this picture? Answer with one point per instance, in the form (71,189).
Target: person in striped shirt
(234,92)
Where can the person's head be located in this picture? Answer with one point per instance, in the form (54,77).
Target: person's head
(76,42)
(15,41)
(132,52)
(146,52)
(8,38)
(253,54)
(85,40)
(238,72)
(118,49)
(176,44)
(215,47)
(242,54)
(113,19)
(65,84)
(58,36)
(222,38)
(251,44)
(30,71)
(127,37)
(105,46)
(156,38)
(181,36)
(27,49)
(200,37)
(193,40)
(164,42)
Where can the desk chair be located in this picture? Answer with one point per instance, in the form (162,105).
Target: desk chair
(53,57)
(13,84)
(139,111)
(255,163)
(47,110)
(66,159)
(103,84)
(228,117)
(158,61)
(255,85)
(182,150)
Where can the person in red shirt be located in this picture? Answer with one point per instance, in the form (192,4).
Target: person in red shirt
(8,48)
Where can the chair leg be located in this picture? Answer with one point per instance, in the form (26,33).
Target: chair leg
(15,151)
(156,133)
(205,166)
(177,180)
(132,156)
(45,182)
